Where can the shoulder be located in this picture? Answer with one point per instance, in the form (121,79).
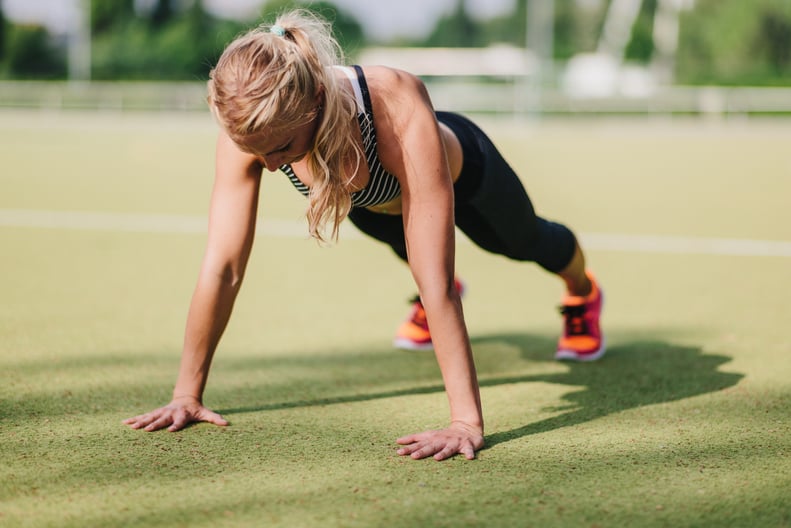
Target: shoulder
(386,80)
(403,113)
(395,95)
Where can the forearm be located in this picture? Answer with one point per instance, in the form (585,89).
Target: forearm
(454,356)
(208,316)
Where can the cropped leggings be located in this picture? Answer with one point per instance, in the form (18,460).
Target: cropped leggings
(491,207)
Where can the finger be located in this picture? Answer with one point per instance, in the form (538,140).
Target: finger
(138,422)
(407,450)
(159,423)
(214,418)
(425,450)
(411,449)
(410,439)
(468,451)
(180,420)
(447,452)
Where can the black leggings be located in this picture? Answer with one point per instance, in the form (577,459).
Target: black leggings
(491,207)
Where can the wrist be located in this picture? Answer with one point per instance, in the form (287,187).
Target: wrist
(471,426)
(185,396)
(471,417)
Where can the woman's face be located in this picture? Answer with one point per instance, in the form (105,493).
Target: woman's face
(282,147)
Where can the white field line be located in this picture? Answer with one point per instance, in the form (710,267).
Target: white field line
(136,222)
(686,245)
(196,224)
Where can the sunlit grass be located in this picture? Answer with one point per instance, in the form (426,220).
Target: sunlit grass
(683,423)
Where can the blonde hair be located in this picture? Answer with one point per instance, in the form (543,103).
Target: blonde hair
(268,79)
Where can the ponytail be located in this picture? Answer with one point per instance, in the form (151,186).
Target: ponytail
(267,81)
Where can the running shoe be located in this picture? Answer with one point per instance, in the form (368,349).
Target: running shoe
(582,338)
(413,334)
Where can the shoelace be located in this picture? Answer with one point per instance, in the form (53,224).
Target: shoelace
(575,319)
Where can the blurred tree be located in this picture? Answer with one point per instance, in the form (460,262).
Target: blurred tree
(506,29)
(734,42)
(345,26)
(588,23)
(774,40)
(575,28)
(162,13)
(108,15)
(566,26)
(721,41)
(3,31)
(457,30)
(180,41)
(32,54)
(641,44)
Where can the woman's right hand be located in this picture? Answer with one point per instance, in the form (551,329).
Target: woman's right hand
(176,415)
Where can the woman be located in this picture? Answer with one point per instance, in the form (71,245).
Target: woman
(367,144)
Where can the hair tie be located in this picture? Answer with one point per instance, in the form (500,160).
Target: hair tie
(278,30)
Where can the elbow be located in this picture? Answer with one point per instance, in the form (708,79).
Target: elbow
(231,277)
(448,290)
(227,276)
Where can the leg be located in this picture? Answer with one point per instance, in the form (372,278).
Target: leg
(413,333)
(383,227)
(577,281)
(497,214)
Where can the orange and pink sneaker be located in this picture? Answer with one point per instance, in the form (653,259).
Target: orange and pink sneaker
(582,338)
(413,334)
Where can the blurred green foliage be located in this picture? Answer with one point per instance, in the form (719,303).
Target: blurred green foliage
(164,43)
(575,28)
(3,31)
(29,52)
(346,27)
(729,42)
(173,40)
(734,42)
(641,45)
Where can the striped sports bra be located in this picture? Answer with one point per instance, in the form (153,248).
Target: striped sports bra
(383,186)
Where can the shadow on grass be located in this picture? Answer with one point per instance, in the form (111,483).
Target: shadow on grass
(631,375)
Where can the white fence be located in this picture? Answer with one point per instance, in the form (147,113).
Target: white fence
(498,80)
(121,96)
(486,96)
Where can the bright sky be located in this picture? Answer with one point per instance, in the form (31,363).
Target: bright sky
(382,18)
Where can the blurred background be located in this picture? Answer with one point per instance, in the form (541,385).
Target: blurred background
(519,58)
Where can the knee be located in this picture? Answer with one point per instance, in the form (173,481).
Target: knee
(551,246)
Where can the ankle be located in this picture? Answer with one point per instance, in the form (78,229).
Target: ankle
(579,286)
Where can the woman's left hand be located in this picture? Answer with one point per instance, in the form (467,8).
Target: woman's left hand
(459,438)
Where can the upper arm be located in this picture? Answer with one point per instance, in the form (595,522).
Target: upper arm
(414,151)
(233,209)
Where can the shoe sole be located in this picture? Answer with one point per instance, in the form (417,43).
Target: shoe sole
(572,355)
(405,344)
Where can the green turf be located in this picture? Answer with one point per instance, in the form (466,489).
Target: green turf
(685,422)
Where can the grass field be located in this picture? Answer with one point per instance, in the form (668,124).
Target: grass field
(686,422)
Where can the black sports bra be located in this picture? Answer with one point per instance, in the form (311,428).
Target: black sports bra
(383,186)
